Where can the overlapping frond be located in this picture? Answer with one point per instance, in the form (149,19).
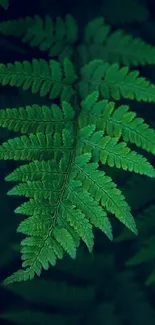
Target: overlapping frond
(117,122)
(127,50)
(114,47)
(115,82)
(108,150)
(57,37)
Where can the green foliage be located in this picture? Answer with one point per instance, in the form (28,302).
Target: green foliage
(115,82)
(60,39)
(69,143)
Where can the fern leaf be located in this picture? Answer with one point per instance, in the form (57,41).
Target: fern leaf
(36,119)
(78,221)
(68,143)
(108,150)
(52,36)
(38,189)
(28,147)
(39,76)
(20,275)
(117,122)
(66,217)
(64,238)
(103,189)
(97,24)
(92,210)
(34,226)
(115,82)
(35,207)
(127,50)
(33,147)
(114,47)
(36,255)
(37,170)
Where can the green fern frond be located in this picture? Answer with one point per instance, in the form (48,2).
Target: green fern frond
(97,24)
(117,122)
(68,143)
(21,275)
(36,170)
(94,212)
(108,150)
(115,82)
(128,50)
(34,147)
(109,196)
(69,195)
(89,207)
(34,207)
(114,47)
(41,77)
(69,213)
(37,119)
(56,37)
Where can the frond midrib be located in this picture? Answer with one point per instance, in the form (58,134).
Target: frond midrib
(56,213)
